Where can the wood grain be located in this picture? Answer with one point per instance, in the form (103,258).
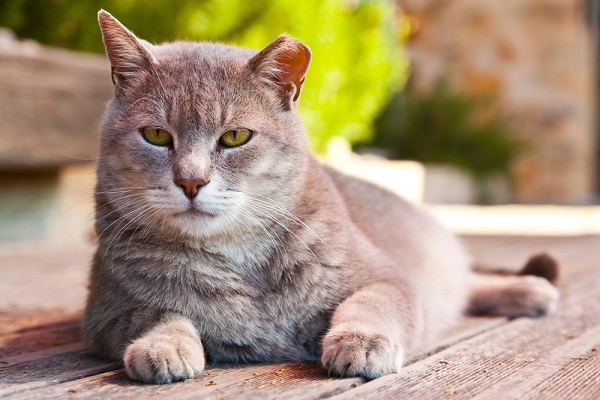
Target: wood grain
(537,380)
(265,381)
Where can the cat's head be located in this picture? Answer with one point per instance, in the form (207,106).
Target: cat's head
(201,137)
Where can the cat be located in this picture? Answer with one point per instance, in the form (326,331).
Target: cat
(221,237)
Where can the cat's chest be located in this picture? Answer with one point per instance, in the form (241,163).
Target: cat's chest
(246,322)
(275,327)
(243,317)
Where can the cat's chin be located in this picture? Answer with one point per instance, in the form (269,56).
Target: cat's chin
(194,212)
(196,223)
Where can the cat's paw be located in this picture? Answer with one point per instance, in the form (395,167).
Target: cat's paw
(353,353)
(533,297)
(162,358)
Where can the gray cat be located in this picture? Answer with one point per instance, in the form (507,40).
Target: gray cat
(220,236)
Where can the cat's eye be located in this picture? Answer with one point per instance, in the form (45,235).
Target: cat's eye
(157,136)
(235,138)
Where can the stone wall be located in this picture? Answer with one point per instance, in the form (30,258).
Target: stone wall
(538,58)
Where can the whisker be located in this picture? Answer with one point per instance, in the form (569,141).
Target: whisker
(270,202)
(120,190)
(121,217)
(150,216)
(83,158)
(121,230)
(277,243)
(274,219)
(158,216)
(131,203)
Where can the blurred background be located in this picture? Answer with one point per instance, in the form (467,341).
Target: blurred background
(484,111)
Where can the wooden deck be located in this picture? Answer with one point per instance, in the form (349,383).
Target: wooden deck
(41,356)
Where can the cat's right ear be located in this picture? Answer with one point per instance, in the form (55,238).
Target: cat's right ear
(127,54)
(282,65)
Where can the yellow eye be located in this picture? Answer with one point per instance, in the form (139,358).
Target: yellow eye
(235,138)
(157,136)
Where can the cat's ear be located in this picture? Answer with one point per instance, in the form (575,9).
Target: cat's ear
(127,54)
(283,65)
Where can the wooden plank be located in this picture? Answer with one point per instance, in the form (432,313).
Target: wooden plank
(116,384)
(55,279)
(271,381)
(274,381)
(45,354)
(511,253)
(577,256)
(467,328)
(537,379)
(39,337)
(11,322)
(287,380)
(511,250)
(41,371)
(51,101)
(579,379)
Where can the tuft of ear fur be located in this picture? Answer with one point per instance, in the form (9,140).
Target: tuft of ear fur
(283,65)
(127,54)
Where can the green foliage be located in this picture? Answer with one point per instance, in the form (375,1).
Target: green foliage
(357,53)
(447,127)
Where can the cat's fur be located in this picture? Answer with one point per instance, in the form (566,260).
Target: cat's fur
(277,257)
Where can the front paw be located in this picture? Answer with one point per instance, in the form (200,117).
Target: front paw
(353,353)
(162,358)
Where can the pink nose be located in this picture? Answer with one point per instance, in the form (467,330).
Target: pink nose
(190,186)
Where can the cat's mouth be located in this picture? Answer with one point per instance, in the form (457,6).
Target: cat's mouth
(195,212)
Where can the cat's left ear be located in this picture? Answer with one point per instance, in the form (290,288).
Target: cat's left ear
(127,54)
(283,65)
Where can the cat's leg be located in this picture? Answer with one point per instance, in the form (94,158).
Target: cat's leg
(526,293)
(511,295)
(156,346)
(370,331)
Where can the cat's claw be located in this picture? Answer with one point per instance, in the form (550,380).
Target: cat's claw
(160,358)
(360,354)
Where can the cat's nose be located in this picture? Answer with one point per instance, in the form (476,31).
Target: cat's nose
(190,186)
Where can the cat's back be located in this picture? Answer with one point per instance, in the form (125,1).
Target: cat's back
(377,211)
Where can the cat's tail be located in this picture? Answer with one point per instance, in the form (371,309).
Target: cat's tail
(528,292)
